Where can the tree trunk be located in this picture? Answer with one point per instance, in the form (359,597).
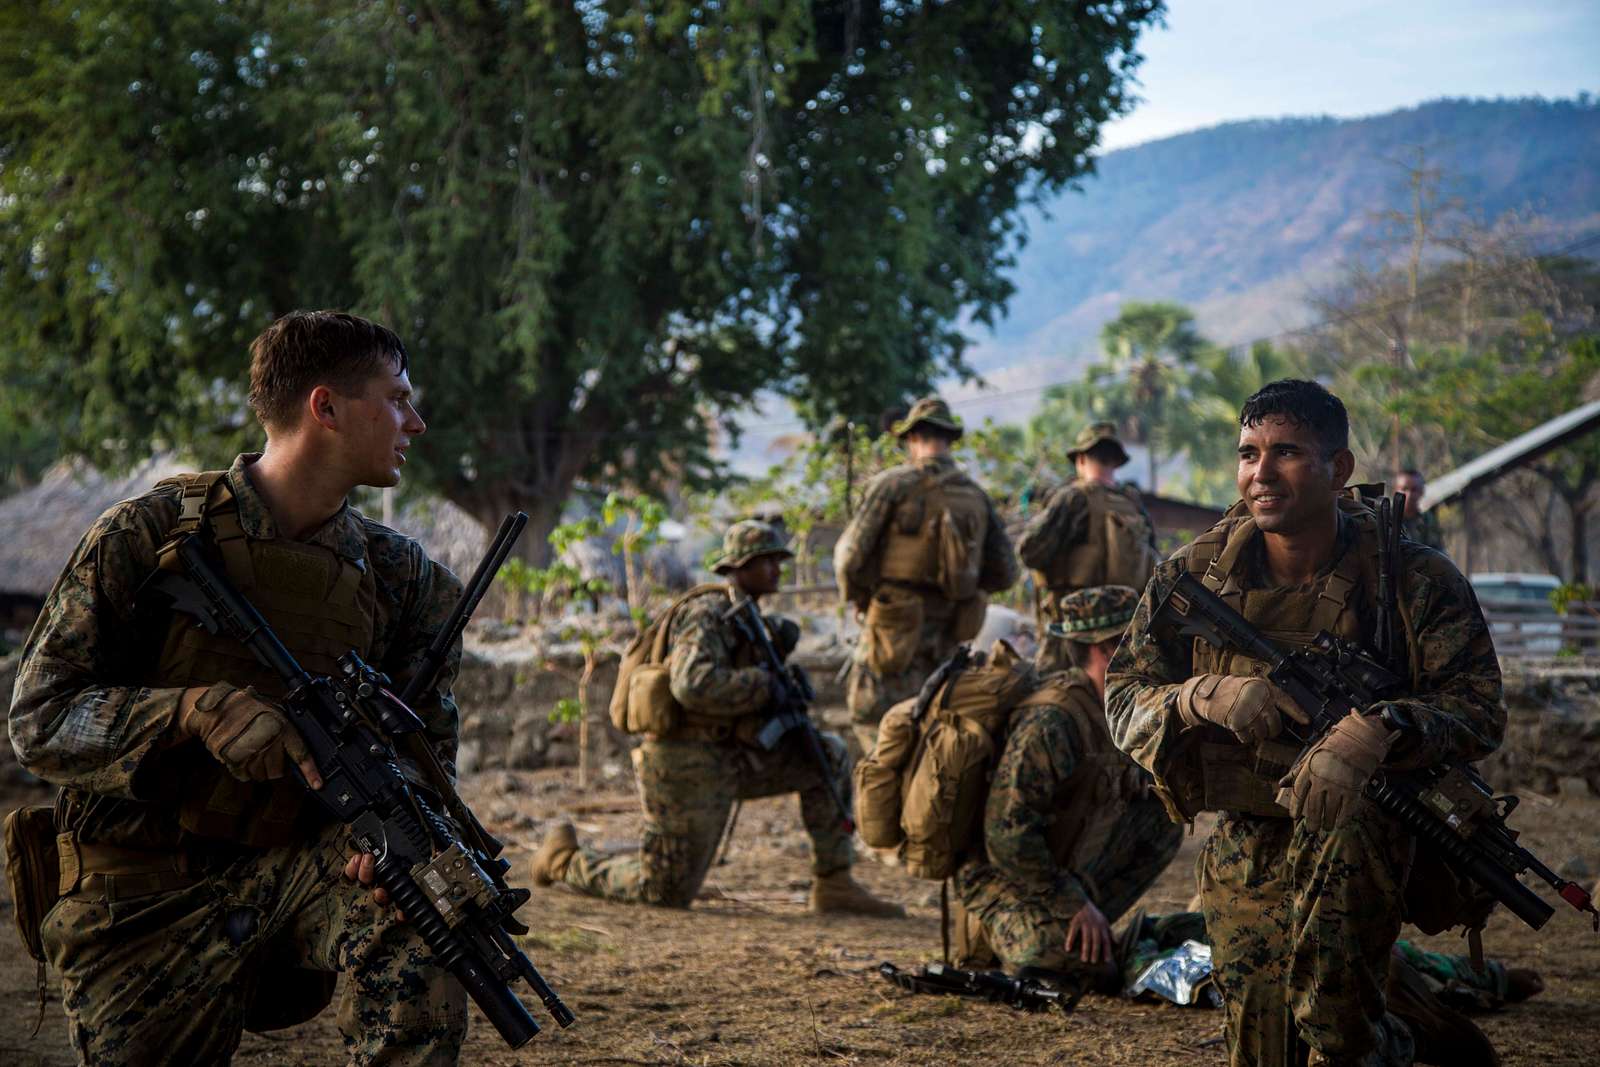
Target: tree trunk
(490,507)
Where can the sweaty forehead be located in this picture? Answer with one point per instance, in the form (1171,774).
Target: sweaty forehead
(1277,430)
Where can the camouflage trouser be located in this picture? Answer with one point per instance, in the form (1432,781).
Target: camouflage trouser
(687,789)
(1302,923)
(996,917)
(870,693)
(168,977)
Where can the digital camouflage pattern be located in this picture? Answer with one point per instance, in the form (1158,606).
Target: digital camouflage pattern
(1301,924)
(150,973)
(1089,616)
(1290,958)
(933,411)
(168,977)
(869,693)
(82,715)
(710,670)
(1062,523)
(1017,892)
(747,539)
(1424,530)
(688,782)
(687,789)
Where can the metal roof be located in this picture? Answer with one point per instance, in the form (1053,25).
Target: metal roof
(1514,453)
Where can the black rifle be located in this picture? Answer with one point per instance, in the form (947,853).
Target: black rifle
(433,659)
(997,987)
(792,696)
(454,894)
(1449,807)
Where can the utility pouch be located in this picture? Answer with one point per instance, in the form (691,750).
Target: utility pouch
(893,630)
(650,706)
(33,870)
(967,619)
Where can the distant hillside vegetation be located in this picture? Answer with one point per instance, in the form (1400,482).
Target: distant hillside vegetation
(1240,221)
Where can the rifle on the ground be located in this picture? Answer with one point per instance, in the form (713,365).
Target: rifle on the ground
(1450,807)
(997,987)
(792,698)
(451,890)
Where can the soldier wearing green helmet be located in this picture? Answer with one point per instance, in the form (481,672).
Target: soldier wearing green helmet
(916,561)
(698,758)
(1072,835)
(1091,531)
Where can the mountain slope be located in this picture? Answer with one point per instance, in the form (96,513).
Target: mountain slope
(1242,220)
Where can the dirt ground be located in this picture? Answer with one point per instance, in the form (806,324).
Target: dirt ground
(747,977)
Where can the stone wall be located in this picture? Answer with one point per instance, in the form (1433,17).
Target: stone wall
(508,690)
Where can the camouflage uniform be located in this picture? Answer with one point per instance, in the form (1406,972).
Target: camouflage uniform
(1021,894)
(858,558)
(1424,530)
(1303,921)
(1057,544)
(164,967)
(690,778)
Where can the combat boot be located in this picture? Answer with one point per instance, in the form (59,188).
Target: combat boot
(1443,1035)
(840,894)
(550,862)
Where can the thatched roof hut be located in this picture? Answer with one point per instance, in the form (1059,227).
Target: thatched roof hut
(39,527)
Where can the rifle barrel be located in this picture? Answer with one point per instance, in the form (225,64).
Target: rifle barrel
(488,567)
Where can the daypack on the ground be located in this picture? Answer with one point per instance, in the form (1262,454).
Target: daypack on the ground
(642,702)
(924,786)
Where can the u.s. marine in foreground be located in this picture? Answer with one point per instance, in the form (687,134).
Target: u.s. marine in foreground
(201,889)
(1303,882)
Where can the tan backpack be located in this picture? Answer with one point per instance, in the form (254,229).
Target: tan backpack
(924,786)
(642,702)
(936,536)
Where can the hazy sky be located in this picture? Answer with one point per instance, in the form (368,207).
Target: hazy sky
(1232,59)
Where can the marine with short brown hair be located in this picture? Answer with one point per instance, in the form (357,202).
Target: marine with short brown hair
(200,888)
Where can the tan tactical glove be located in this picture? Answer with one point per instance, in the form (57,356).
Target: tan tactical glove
(1326,784)
(250,737)
(1252,708)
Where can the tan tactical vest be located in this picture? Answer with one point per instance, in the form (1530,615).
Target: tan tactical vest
(1092,801)
(1115,549)
(935,537)
(320,605)
(1233,776)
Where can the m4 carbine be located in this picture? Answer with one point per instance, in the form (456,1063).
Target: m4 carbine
(994,986)
(792,696)
(451,889)
(1448,807)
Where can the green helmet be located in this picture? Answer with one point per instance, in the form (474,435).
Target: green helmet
(1095,434)
(1092,615)
(931,410)
(747,539)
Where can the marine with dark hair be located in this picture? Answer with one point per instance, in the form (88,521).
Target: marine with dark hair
(916,561)
(1072,835)
(1304,882)
(1092,531)
(693,770)
(200,887)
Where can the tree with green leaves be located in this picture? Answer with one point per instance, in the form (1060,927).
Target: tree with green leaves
(1148,358)
(601,226)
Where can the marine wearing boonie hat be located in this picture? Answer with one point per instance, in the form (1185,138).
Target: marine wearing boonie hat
(1097,433)
(1099,613)
(931,410)
(747,539)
